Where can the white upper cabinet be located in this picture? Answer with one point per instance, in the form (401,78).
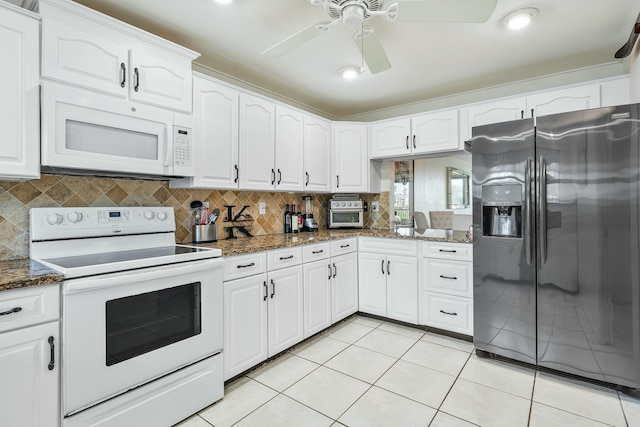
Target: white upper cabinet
(351,168)
(563,100)
(289,149)
(257,143)
(271,146)
(390,138)
(86,48)
(317,155)
(215,109)
(19,86)
(427,133)
(497,112)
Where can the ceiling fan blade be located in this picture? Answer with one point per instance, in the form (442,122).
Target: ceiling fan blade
(373,53)
(296,40)
(446,10)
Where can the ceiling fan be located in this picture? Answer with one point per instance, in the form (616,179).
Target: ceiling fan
(354,13)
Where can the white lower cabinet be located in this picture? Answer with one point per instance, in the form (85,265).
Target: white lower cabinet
(330,283)
(388,278)
(447,286)
(262,312)
(29,357)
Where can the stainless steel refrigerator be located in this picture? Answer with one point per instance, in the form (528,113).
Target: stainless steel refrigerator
(556,242)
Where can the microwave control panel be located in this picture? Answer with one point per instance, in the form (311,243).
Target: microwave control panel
(182,147)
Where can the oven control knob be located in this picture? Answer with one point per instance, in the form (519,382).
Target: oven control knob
(148,215)
(343,204)
(54,219)
(162,216)
(349,204)
(74,217)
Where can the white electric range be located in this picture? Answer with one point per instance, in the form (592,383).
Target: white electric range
(141,315)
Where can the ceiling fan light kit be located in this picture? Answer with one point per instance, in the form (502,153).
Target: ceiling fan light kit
(520,18)
(354,13)
(350,72)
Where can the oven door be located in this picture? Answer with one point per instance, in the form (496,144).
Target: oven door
(122,330)
(346,218)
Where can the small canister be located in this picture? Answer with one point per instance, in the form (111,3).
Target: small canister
(204,233)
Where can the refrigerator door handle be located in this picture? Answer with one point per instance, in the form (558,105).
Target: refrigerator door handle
(528,231)
(542,211)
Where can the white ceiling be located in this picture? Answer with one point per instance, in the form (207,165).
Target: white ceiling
(429,59)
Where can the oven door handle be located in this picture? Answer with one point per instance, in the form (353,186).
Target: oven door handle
(93,283)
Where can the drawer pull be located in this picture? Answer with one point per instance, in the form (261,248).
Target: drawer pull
(13,310)
(318,252)
(450,314)
(448,250)
(52,362)
(344,246)
(246,265)
(448,277)
(282,258)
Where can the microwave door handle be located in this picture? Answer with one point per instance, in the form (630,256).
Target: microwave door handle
(168,155)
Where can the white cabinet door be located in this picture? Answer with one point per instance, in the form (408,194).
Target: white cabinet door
(245,324)
(20,100)
(317,155)
(257,143)
(372,283)
(435,132)
(344,286)
(350,159)
(391,138)
(30,389)
(289,145)
(78,57)
(496,112)
(317,296)
(160,78)
(286,324)
(215,108)
(402,288)
(564,100)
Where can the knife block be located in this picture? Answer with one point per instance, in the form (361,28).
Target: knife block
(204,233)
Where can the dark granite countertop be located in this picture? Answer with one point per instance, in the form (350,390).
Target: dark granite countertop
(24,273)
(245,245)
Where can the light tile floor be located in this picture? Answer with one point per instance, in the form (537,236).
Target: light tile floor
(365,372)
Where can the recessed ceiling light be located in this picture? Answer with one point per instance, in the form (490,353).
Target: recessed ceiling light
(350,72)
(223,1)
(520,18)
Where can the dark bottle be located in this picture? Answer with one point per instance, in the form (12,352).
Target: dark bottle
(294,219)
(300,219)
(287,219)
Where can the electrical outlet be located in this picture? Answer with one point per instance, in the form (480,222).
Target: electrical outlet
(263,208)
(374,206)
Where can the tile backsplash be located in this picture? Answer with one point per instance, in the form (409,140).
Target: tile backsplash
(16,198)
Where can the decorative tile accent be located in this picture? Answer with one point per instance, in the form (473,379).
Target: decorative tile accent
(16,198)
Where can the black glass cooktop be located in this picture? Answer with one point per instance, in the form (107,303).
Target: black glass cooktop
(123,256)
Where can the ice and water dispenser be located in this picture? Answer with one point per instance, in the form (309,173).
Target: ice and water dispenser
(502,210)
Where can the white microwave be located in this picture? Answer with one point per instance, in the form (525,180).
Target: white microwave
(84,132)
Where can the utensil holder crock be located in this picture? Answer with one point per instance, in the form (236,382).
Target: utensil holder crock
(204,233)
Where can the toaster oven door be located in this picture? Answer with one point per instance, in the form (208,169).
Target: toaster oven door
(346,218)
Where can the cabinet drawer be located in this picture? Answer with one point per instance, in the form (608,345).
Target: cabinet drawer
(450,313)
(450,277)
(443,250)
(34,305)
(282,258)
(344,246)
(316,252)
(388,246)
(239,266)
